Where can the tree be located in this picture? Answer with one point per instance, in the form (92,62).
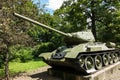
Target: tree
(12,32)
(75,13)
(71,16)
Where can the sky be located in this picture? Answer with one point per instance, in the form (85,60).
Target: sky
(52,5)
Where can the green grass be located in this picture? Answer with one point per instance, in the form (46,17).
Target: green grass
(17,67)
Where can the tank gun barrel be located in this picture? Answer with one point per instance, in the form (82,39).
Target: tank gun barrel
(43,25)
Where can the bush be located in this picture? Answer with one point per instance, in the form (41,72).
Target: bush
(54,42)
(21,54)
(43,47)
(26,54)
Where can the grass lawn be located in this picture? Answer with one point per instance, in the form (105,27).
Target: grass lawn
(16,67)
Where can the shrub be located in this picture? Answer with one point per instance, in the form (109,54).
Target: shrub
(26,54)
(21,54)
(43,47)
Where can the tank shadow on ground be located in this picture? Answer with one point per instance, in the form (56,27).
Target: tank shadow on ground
(43,76)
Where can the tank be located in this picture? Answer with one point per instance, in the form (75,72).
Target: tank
(81,54)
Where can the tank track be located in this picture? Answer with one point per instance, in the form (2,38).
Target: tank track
(93,61)
(87,62)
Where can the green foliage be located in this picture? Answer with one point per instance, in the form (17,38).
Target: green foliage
(1,72)
(39,34)
(44,47)
(104,17)
(110,31)
(71,16)
(47,42)
(25,54)
(21,54)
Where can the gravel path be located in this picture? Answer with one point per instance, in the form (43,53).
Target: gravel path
(38,74)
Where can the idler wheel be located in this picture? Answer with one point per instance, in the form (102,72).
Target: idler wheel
(105,59)
(115,57)
(81,61)
(89,63)
(98,62)
(110,58)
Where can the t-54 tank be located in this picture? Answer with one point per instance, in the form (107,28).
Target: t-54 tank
(81,53)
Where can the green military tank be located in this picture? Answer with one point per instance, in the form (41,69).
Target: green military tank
(81,53)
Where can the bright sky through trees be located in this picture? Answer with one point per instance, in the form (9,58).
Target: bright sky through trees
(51,5)
(54,4)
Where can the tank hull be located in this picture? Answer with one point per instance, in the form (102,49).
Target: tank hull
(73,64)
(68,67)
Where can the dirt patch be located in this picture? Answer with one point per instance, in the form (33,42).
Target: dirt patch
(38,74)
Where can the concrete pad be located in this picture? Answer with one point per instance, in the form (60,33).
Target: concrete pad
(110,72)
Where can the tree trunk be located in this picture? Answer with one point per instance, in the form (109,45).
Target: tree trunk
(93,19)
(93,25)
(7,65)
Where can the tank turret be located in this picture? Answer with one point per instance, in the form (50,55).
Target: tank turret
(70,38)
(82,54)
